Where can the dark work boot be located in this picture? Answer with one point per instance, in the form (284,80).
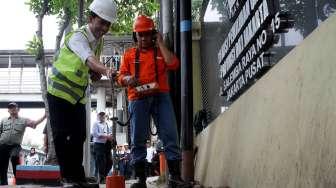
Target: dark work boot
(78,184)
(140,174)
(175,180)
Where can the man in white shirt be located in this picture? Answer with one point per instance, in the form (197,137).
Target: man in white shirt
(101,135)
(33,158)
(78,60)
(12,129)
(149,157)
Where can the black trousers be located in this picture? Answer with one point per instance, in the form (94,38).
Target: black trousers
(108,155)
(101,159)
(15,161)
(5,155)
(68,124)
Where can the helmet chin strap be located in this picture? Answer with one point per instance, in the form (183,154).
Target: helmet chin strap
(141,47)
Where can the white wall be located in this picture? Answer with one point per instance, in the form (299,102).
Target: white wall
(281,132)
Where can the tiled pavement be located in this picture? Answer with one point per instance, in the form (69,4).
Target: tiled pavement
(152,182)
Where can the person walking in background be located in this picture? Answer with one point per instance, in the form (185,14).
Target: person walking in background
(15,158)
(126,162)
(32,158)
(144,71)
(51,158)
(78,60)
(93,169)
(149,157)
(12,129)
(110,143)
(101,135)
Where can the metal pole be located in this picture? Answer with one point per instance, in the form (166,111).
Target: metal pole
(176,82)
(167,24)
(86,153)
(114,126)
(166,14)
(186,91)
(174,76)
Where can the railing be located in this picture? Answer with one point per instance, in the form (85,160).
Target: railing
(19,73)
(19,80)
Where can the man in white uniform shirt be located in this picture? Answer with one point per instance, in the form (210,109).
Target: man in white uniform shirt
(101,135)
(33,158)
(149,157)
(12,129)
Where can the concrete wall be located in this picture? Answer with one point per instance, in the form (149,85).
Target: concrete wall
(282,131)
(196,68)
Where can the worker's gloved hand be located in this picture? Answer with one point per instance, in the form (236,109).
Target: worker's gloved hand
(130,81)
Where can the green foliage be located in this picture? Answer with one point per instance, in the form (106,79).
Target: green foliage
(196,6)
(128,10)
(36,6)
(297,10)
(55,7)
(34,46)
(219,5)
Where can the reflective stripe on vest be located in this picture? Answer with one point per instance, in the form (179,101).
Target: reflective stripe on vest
(65,79)
(64,89)
(69,76)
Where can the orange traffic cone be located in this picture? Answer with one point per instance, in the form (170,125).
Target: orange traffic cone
(115,181)
(162,164)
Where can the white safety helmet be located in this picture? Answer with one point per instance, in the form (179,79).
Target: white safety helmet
(105,9)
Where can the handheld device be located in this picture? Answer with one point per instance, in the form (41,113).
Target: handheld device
(147,88)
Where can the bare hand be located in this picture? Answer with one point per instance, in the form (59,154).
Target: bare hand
(109,137)
(95,76)
(159,38)
(111,73)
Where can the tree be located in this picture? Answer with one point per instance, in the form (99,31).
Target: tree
(80,13)
(303,12)
(196,6)
(199,7)
(65,9)
(128,10)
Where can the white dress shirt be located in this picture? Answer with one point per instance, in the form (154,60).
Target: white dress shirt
(99,130)
(80,45)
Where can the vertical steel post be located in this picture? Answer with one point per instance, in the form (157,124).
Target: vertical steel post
(186,91)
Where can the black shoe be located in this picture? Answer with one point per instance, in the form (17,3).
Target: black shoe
(102,181)
(177,182)
(91,179)
(139,184)
(80,184)
(88,185)
(140,173)
(69,184)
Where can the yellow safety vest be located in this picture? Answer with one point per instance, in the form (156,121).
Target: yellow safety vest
(69,75)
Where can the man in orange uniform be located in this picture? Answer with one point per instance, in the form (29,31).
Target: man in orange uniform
(144,71)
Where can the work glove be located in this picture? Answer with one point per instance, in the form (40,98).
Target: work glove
(130,81)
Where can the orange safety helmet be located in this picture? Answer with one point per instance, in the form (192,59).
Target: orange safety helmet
(143,23)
